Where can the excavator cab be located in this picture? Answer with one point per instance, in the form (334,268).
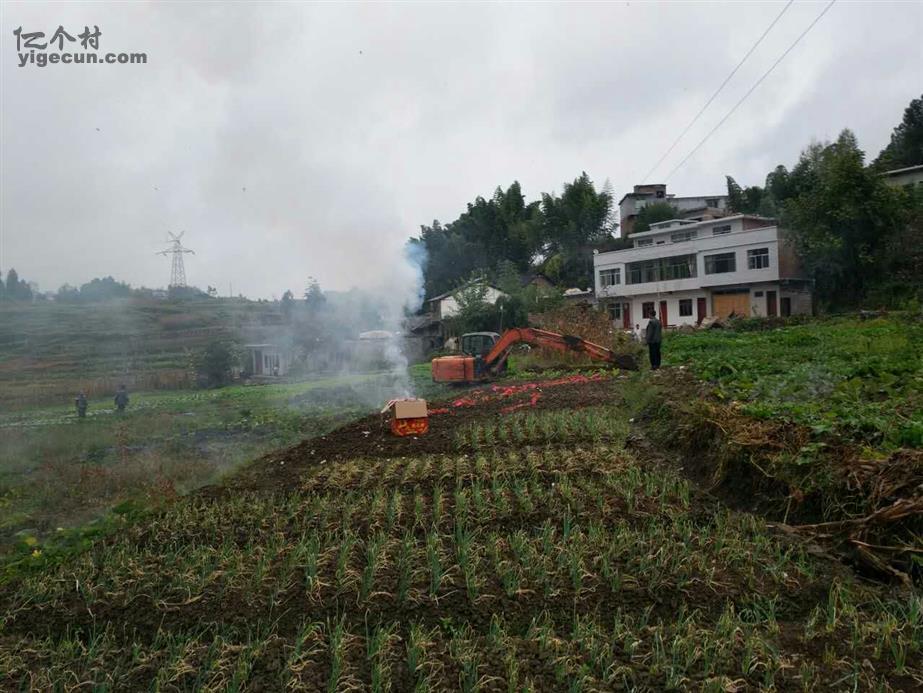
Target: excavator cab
(468,366)
(478,343)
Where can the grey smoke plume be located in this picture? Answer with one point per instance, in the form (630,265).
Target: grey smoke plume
(399,299)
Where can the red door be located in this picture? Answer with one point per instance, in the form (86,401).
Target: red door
(626,316)
(771,304)
(663,313)
(700,310)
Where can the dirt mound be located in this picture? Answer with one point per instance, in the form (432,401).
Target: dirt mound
(370,437)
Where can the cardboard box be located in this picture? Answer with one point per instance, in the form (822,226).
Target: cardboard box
(409,409)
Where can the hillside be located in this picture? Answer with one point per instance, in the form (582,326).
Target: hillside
(51,350)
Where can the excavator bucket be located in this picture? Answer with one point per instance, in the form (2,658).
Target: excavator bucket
(453,369)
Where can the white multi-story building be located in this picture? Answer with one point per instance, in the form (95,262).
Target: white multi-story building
(686,271)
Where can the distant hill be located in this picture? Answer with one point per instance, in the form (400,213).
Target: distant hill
(52,350)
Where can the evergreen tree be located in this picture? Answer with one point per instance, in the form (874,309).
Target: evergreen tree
(287,303)
(572,224)
(314,296)
(653,213)
(906,145)
(840,217)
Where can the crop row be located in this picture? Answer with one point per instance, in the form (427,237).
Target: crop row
(594,425)
(540,568)
(583,652)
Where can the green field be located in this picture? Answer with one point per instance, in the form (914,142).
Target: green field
(57,470)
(550,533)
(858,380)
(542,555)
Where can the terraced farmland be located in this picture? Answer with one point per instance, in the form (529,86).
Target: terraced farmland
(514,548)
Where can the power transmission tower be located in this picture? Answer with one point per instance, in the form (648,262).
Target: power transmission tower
(176,249)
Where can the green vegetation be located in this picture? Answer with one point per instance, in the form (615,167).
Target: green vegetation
(57,470)
(858,237)
(858,380)
(561,229)
(906,145)
(51,351)
(518,567)
(652,213)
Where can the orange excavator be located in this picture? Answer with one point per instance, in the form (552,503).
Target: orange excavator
(484,354)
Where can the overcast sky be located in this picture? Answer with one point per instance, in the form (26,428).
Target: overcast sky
(291,140)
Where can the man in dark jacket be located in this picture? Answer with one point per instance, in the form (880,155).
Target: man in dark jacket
(81,404)
(653,335)
(121,399)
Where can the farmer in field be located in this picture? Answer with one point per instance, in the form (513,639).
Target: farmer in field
(653,335)
(81,404)
(121,399)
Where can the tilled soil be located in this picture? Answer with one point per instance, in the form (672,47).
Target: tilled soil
(371,438)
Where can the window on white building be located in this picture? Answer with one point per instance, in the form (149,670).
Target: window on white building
(680,236)
(660,269)
(647,310)
(710,202)
(758,258)
(720,263)
(641,242)
(610,277)
(720,230)
(685,307)
(614,310)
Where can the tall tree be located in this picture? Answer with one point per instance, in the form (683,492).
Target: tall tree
(314,296)
(906,145)
(744,200)
(504,227)
(286,304)
(572,223)
(17,289)
(841,214)
(652,213)
(12,284)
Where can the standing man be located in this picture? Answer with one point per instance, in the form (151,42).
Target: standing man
(653,335)
(121,399)
(81,404)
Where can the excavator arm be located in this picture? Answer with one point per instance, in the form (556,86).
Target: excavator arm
(496,357)
(467,368)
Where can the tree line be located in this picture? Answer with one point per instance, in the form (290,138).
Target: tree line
(858,237)
(554,235)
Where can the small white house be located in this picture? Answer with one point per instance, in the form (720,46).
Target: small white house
(446,305)
(685,271)
(267,359)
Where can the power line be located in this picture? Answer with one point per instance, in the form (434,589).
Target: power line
(717,91)
(751,90)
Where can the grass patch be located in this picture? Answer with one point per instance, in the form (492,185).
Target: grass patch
(59,471)
(859,380)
